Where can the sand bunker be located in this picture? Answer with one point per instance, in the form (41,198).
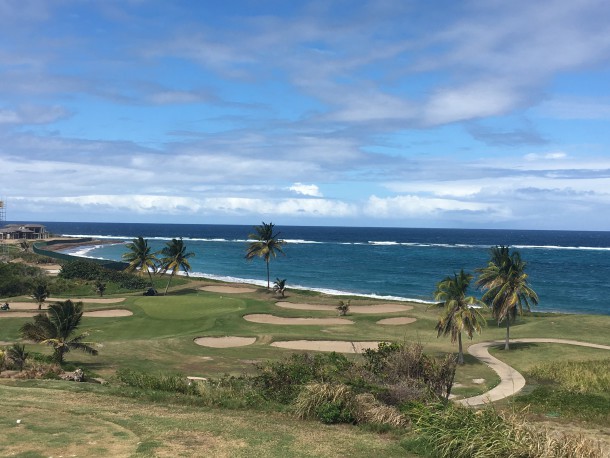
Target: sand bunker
(398,320)
(377,308)
(95,314)
(272,319)
(326,345)
(225,342)
(227,289)
(108,313)
(26,305)
(89,300)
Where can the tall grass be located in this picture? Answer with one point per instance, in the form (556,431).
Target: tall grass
(576,376)
(458,432)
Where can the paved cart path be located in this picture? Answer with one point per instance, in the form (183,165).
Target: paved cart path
(511,381)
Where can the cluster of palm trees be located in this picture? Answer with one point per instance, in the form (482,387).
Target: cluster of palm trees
(173,257)
(506,292)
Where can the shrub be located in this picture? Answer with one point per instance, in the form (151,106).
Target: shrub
(282,380)
(157,382)
(576,376)
(87,270)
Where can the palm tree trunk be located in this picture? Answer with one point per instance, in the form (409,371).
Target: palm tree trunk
(460,350)
(170,280)
(507,333)
(268,284)
(150,277)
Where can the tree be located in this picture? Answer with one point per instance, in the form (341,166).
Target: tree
(140,257)
(460,312)
(25,246)
(280,286)
(17,354)
(343,307)
(40,294)
(265,244)
(55,328)
(507,290)
(175,258)
(100,287)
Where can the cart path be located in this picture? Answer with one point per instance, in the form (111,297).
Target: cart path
(511,381)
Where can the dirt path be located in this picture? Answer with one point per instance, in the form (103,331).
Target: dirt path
(511,381)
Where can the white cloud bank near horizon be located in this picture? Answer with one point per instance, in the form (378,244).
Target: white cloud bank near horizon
(458,114)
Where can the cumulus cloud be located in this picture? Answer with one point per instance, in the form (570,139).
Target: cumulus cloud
(306,189)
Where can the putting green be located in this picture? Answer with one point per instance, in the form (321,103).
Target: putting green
(188,307)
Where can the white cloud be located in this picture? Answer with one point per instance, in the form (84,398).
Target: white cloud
(306,189)
(416,206)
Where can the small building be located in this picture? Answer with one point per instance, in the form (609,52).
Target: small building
(23,231)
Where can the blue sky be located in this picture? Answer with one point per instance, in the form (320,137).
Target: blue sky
(483,114)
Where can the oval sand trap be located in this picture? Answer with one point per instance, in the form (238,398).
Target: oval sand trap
(89,300)
(108,313)
(272,319)
(95,314)
(377,308)
(398,320)
(326,345)
(227,289)
(225,342)
(26,305)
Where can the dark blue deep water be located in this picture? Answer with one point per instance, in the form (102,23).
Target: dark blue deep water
(570,271)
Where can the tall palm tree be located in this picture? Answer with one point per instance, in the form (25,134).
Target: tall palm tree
(507,290)
(140,257)
(40,294)
(175,258)
(55,328)
(265,244)
(460,313)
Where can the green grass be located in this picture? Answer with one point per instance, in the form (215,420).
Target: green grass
(65,420)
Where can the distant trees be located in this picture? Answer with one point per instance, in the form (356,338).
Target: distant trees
(56,328)
(175,258)
(506,286)
(265,244)
(460,312)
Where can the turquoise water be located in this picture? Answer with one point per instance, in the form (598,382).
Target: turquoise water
(568,270)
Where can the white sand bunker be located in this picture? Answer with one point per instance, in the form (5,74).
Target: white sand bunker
(377,308)
(89,300)
(272,319)
(113,313)
(398,320)
(227,289)
(225,342)
(326,345)
(26,305)
(108,313)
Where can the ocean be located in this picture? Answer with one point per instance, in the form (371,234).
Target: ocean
(569,270)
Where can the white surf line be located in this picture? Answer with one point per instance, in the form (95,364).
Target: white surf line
(511,381)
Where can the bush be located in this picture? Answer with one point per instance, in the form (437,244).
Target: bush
(87,270)
(575,376)
(282,380)
(156,382)
(17,279)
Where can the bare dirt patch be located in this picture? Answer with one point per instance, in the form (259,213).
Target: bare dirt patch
(377,308)
(397,321)
(326,345)
(227,289)
(225,342)
(272,319)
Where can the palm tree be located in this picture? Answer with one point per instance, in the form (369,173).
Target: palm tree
(507,290)
(55,328)
(40,294)
(17,354)
(460,313)
(140,257)
(265,244)
(175,258)
(280,286)
(100,287)
(343,307)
